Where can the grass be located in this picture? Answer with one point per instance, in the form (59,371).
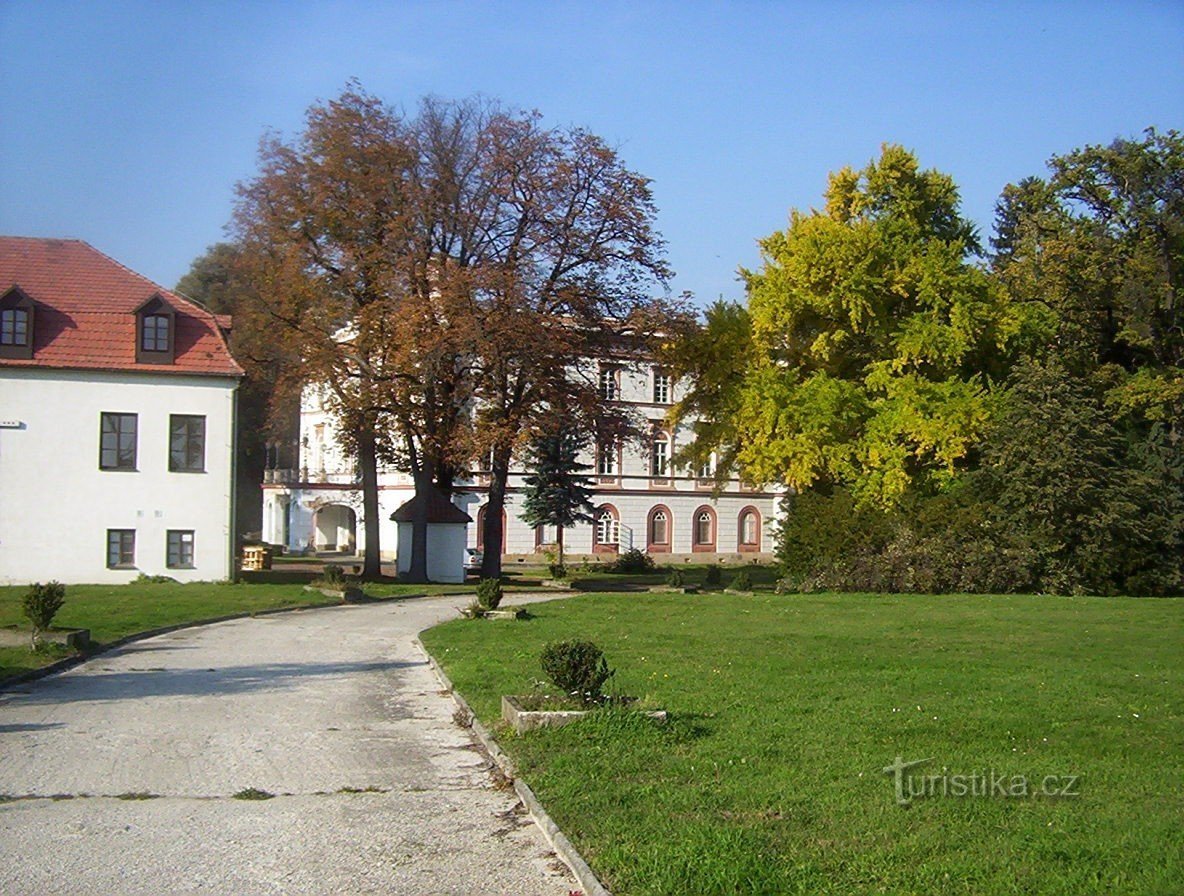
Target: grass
(112,612)
(785,709)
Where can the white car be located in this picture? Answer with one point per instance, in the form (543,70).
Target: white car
(473,560)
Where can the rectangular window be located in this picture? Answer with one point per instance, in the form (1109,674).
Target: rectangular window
(156,333)
(121,548)
(180,549)
(660,457)
(117,442)
(187,443)
(662,386)
(606,460)
(14,326)
(610,383)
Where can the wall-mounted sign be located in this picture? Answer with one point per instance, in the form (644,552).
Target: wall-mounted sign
(10,424)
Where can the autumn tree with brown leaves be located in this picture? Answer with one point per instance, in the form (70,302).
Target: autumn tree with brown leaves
(447,278)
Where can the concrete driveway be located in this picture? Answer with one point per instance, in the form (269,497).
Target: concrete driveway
(126,769)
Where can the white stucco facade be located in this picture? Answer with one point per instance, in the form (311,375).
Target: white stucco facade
(735,526)
(58,506)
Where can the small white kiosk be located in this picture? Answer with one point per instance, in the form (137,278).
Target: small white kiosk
(447,536)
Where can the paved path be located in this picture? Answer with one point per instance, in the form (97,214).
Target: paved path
(308,705)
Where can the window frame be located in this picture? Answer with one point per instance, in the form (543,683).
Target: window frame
(119,465)
(13,304)
(610,382)
(121,535)
(653,544)
(698,543)
(601,545)
(156,309)
(743,544)
(187,467)
(663,387)
(661,471)
(180,553)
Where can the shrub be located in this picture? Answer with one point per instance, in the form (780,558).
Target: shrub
(41,603)
(489,594)
(332,576)
(633,562)
(675,578)
(144,579)
(577,668)
(713,575)
(742,581)
(557,570)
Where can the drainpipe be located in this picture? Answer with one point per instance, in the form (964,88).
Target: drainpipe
(233,546)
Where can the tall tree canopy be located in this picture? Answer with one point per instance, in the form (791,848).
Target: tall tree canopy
(447,277)
(1100,243)
(873,340)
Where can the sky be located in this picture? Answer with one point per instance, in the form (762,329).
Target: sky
(129,124)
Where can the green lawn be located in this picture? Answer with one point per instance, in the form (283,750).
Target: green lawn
(785,709)
(112,612)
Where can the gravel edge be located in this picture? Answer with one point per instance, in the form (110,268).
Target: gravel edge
(555,836)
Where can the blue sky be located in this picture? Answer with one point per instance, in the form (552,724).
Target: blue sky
(128,124)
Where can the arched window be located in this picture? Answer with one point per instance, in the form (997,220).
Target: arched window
(606,530)
(704,530)
(660,455)
(481,528)
(748,536)
(658,530)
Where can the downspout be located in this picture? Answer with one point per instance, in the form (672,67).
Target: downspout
(233,540)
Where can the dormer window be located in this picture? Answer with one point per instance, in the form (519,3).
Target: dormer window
(155,336)
(156,333)
(16,325)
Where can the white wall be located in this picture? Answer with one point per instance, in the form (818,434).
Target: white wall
(445,550)
(56,505)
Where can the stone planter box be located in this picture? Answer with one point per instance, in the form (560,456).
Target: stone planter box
(345,595)
(523,720)
(559,584)
(506,613)
(673,589)
(74,638)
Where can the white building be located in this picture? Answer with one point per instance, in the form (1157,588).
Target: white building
(117,406)
(642,501)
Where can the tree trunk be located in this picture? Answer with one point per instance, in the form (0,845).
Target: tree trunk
(559,545)
(368,463)
(491,562)
(417,572)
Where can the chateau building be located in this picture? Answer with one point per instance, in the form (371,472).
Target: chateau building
(642,499)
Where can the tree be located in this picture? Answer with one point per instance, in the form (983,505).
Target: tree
(557,492)
(326,228)
(267,398)
(545,244)
(1100,512)
(1100,245)
(874,339)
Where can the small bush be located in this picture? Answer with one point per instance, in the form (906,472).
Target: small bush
(489,594)
(742,581)
(144,579)
(41,603)
(332,576)
(675,578)
(713,575)
(557,570)
(578,668)
(633,562)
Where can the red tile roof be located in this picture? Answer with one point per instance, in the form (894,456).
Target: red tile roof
(85,311)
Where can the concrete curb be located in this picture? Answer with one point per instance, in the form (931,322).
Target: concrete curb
(558,840)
